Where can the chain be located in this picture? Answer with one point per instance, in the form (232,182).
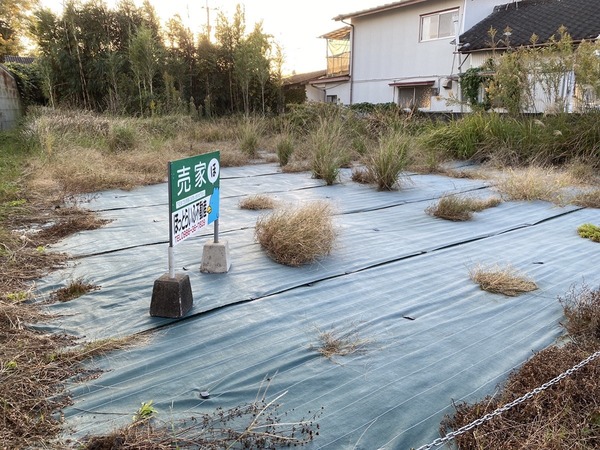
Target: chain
(498,411)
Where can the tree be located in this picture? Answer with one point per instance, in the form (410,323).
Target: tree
(143,54)
(15,18)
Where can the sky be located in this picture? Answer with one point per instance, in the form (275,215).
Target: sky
(294,25)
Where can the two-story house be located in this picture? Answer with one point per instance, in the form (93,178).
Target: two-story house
(413,52)
(403,52)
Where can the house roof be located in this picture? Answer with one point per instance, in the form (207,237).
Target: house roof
(340,33)
(377,9)
(542,17)
(303,78)
(19,59)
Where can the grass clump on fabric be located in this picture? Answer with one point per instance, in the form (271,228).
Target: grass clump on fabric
(505,280)
(459,208)
(257,202)
(533,183)
(341,342)
(389,160)
(564,415)
(74,289)
(327,150)
(589,231)
(298,235)
(588,199)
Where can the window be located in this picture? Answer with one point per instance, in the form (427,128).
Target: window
(331,99)
(415,97)
(438,25)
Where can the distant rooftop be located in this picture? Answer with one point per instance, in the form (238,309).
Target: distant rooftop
(19,59)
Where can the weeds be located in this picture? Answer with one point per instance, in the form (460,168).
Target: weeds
(588,199)
(249,132)
(341,342)
(565,415)
(504,280)
(257,202)
(581,306)
(74,289)
(362,175)
(145,412)
(285,149)
(532,183)
(589,231)
(256,425)
(296,236)
(328,154)
(390,159)
(459,208)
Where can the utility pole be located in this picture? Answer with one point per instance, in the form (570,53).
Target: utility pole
(208,18)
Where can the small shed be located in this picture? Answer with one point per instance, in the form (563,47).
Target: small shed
(10,100)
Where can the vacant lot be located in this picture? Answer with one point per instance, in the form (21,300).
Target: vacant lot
(397,281)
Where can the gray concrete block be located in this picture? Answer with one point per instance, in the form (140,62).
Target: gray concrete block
(171,297)
(215,258)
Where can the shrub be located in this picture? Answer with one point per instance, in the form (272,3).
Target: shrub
(458,208)
(589,231)
(504,280)
(249,133)
(389,160)
(296,236)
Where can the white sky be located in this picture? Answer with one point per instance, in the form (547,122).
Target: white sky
(294,25)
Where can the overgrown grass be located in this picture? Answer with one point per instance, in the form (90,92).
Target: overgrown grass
(389,160)
(74,289)
(249,134)
(505,280)
(460,208)
(297,235)
(257,202)
(565,415)
(508,140)
(285,149)
(587,199)
(533,183)
(328,150)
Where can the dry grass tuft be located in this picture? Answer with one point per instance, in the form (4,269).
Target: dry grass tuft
(582,311)
(362,175)
(587,199)
(589,231)
(533,183)
(504,280)
(341,342)
(70,221)
(459,208)
(257,202)
(74,289)
(296,236)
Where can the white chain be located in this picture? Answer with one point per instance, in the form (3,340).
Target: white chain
(510,405)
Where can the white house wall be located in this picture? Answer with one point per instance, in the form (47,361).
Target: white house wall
(314,94)
(387,49)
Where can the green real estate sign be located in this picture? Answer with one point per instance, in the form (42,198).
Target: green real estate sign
(193,195)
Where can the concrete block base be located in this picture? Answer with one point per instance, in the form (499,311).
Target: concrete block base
(171,297)
(215,258)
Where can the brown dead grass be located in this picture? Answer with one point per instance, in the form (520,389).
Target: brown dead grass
(534,183)
(504,280)
(341,342)
(362,175)
(564,416)
(74,289)
(297,235)
(587,199)
(258,202)
(460,208)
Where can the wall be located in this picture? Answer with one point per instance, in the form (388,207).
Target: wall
(10,101)
(387,49)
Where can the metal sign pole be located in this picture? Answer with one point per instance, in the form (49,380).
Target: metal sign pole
(171,256)
(216,231)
